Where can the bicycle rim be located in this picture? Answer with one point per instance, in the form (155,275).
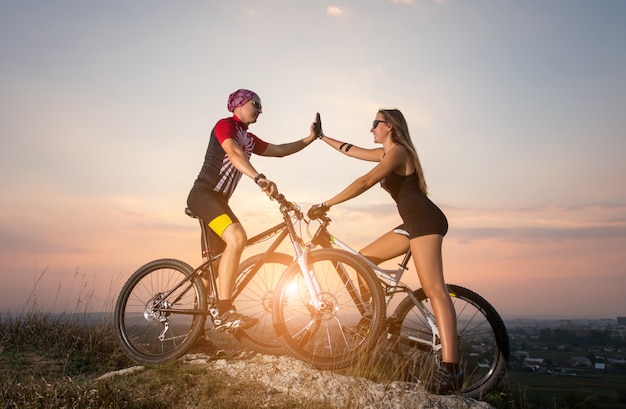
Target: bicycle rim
(255,300)
(483,340)
(348,324)
(148,335)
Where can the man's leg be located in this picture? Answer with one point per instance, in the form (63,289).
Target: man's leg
(235,238)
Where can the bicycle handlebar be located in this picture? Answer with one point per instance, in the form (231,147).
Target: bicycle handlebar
(287,205)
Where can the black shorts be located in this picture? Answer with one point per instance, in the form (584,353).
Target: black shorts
(213,209)
(435,223)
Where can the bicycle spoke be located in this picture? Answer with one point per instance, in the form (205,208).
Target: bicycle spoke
(147,319)
(344,319)
(483,343)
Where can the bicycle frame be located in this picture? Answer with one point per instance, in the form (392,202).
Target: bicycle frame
(283,230)
(391,278)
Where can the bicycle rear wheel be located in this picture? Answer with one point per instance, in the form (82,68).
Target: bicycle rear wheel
(483,340)
(149,320)
(349,319)
(255,300)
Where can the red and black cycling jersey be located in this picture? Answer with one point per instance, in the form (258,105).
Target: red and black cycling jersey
(218,173)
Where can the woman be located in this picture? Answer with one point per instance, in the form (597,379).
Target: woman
(400,173)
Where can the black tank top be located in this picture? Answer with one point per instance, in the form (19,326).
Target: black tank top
(418,212)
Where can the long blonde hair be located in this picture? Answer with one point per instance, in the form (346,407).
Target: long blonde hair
(400,134)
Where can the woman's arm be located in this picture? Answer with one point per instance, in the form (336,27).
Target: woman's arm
(394,159)
(372,155)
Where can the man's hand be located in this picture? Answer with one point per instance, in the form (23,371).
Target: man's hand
(317,126)
(267,186)
(317,211)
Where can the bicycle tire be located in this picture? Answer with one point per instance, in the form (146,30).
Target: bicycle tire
(138,326)
(483,340)
(335,336)
(255,300)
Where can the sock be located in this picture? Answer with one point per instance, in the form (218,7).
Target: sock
(225,306)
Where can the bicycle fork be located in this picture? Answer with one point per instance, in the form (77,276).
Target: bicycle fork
(310,279)
(413,340)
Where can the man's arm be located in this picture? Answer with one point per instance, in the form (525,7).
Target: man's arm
(289,148)
(286,149)
(240,161)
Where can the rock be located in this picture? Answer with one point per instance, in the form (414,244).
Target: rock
(288,375)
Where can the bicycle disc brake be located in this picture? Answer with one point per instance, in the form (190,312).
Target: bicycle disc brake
(152,312)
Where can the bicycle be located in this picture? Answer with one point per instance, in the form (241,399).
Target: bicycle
(321,338)
(162,308)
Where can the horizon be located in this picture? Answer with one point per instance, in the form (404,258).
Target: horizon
(516,111)
(505,318)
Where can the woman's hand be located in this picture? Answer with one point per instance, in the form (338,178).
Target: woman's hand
(316,128)
(317,211)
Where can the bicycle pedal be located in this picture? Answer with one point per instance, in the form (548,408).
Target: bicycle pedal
(227,329)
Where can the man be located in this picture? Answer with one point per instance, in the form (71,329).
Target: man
(227,159)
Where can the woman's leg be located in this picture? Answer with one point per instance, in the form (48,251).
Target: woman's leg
(386,247)
(427,255)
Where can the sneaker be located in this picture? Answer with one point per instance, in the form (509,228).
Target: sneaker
(204,344)
(444,381)
(233,321)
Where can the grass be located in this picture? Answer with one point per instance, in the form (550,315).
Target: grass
(49,361)
(539,391)
(55,362)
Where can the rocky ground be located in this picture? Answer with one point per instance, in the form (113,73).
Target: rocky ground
(286,375)
(281,374)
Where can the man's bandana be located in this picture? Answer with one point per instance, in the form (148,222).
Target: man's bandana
(240,97)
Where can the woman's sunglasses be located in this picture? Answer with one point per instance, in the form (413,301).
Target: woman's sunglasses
(376,122)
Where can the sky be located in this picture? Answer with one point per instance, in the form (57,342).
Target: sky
(516,110)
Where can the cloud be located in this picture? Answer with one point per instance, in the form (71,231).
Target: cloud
(369,73)
(13,242)
(412,2)
(405,2)
(336,11)
(538,234)
(540,224)
(550,216)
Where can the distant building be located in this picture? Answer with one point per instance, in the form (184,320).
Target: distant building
(581,362)
(599,363)
(621,321)
(533,363)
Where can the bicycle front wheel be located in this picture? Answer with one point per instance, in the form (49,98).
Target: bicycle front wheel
(483,340)
(254,299)
(342,323)
(159,312)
